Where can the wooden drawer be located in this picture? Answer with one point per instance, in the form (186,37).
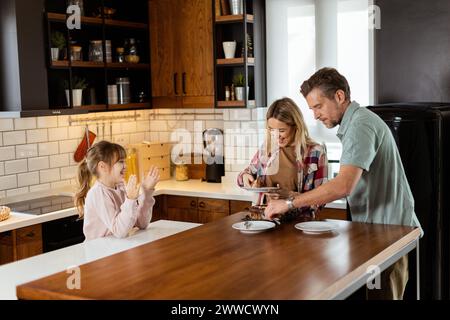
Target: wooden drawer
(238,206)
(331,213)
(216,205)
(153,149)
(181,202)
(20,243)
(164,173)
(157,161)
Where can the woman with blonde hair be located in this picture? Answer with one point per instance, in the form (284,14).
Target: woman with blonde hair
(110,207)
(289,157)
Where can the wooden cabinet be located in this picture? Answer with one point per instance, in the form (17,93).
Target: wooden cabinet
(200,210)
(181,208)
(212,209)
(20,243)
(331,213)
(181,53)
(237,206)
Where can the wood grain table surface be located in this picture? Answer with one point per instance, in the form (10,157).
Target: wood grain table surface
(215,261)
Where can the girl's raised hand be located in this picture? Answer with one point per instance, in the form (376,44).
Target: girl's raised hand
(132,188)
(151,179)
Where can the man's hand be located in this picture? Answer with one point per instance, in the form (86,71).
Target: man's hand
(276,208)
(132,188)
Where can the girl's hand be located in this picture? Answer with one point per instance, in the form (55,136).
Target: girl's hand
(248,180)
(151,179)
(132,188)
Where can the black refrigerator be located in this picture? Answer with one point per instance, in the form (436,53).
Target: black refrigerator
(422,133)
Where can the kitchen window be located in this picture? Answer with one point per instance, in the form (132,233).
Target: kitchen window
(305,35)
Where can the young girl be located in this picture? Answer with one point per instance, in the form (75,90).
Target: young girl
(110,207)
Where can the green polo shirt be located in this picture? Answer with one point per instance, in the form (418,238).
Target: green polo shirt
(382,195)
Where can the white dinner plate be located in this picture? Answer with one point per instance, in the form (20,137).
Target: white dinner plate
(316,226)
(262,189)
(253,226)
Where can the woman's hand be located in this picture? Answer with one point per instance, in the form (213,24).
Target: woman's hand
(132,188)
(276,208)
(151,179)
(248,180)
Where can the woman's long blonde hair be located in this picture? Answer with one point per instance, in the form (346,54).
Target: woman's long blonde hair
(105,151)
(287,111)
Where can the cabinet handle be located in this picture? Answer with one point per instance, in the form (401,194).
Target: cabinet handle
(193,203)
(175,77)
(201,204)
(183,82)
(30,234)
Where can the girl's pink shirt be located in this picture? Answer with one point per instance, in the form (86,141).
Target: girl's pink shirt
(108,211)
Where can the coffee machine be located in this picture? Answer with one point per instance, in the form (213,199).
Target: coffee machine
(213,155)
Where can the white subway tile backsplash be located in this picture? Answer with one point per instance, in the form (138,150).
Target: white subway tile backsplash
(63,121)
(8,182)
(38,135)
(142,126)
(122,139)
(24,123)
(2,169)
(49,175)
(39,163)
(16,192)
(76,132)
(16,166)
(7,153)
(137,137)
(2,194)
(214,124)
(40,187)
(28,179)
(1,139)
(128,127)
(116,128)
(240,115)
(60,184)
(68,146)
(48,148)
(6,125)
(158,125)
(47,122)
(26,151)
(11,138)
(69,172)
(59,160)
(55,134)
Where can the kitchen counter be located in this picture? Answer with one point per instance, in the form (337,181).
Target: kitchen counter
(36,267)
(191,188)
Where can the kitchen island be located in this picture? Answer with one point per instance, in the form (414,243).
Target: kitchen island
(36,267)
(215,261)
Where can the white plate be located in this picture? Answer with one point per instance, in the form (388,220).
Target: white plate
(316,226)
(262,189)
(253,226)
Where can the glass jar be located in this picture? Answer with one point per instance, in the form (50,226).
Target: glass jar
(131,164)
(76,53)
(120,54)
(96,51)
(181,172)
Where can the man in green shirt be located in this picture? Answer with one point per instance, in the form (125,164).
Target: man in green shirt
(371,174)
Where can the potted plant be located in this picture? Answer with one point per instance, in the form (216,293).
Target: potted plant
(78,85)
(58,43)
(239,83)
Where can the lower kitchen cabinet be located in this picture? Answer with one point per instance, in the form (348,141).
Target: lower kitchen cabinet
(212,209)
(200,210)
(20,243)
(332,213)
(158,209)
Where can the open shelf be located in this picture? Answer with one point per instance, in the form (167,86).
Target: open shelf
(96,107)
(92,64)
(235,61)
(59,17)
(234,18)
(129,105)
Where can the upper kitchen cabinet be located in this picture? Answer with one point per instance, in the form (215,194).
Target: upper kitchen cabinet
(107,57)
(239,28)
(181,43)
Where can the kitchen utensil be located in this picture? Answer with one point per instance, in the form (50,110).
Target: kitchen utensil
(262,189)
(84,145)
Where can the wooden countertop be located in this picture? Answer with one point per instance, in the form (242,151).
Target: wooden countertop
(214,261)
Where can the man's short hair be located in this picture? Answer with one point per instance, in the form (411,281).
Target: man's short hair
(328,80)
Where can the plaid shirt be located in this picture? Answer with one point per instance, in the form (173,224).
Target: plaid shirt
(311,173)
